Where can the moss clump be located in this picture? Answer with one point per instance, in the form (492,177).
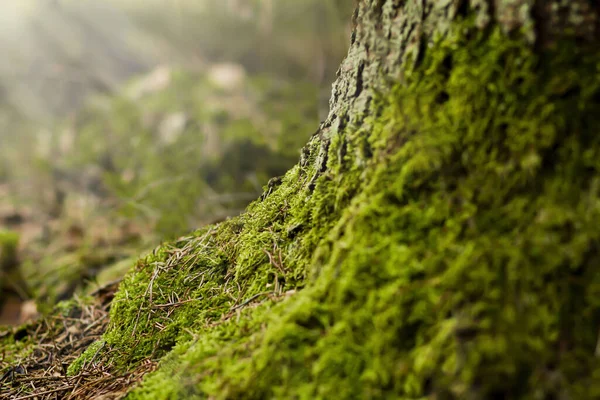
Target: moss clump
(448,249)
(88,356)
(71,307)
(14,349)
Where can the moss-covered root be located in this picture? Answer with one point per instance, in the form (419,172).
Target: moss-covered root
(446,248)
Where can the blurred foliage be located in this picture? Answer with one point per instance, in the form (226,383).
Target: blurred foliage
(61,51)
(125,123)
(286,37)
(191,153)
(170,152)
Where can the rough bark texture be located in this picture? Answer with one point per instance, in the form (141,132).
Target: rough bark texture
(387,32)
(438,239)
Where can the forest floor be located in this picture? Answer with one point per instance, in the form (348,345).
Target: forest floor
(60,339)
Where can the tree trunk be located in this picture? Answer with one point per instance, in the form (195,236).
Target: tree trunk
(440,237)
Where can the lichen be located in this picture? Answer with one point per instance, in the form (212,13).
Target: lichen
(446,247)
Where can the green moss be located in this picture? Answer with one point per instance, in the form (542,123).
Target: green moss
(66,307)
(88,356)
(13,350)
(449,249)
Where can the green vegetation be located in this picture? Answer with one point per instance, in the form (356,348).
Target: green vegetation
(447,251)
(87,357)
(94,183)
(154,162)
(193,152)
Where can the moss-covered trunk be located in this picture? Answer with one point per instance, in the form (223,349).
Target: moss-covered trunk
(438,239)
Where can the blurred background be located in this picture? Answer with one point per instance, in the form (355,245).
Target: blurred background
(127,122)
